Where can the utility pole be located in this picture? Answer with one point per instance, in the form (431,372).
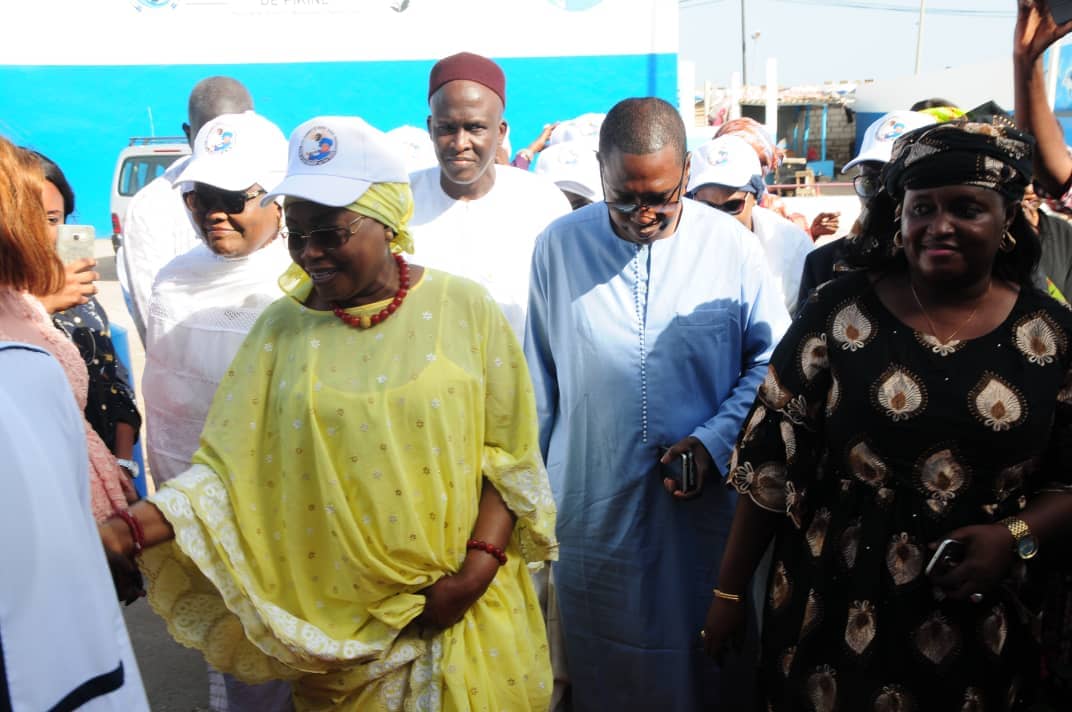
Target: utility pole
(919,35)
(744,50)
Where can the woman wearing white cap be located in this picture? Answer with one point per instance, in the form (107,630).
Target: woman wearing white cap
(203,304)
(349,522)
(726,174)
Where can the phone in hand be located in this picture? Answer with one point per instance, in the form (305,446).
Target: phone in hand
(948,554)
(1060,10)
(682,470)
(74,242)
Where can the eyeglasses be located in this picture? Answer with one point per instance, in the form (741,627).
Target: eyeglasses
(730,207)
(207,197)
(660,206)
(866,185)
(327,238)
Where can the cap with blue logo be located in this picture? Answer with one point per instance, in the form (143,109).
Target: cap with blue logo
(573,166)
(334,159)
(880,135)
(727,160)
(236,151)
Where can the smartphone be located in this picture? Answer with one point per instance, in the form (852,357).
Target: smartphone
(683,470)
(73,242)
(1061,11)
(948,554)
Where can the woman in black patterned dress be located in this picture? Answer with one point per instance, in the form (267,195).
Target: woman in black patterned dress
(923,398)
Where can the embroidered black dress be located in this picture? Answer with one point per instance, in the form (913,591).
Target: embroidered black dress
(876,441)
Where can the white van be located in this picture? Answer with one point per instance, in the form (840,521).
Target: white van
(144,159)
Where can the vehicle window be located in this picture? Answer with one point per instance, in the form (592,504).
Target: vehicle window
(138,171)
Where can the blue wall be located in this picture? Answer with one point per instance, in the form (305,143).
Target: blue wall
(81,117)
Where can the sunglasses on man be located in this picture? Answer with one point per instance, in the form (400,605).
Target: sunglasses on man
(207,197)
(659,206)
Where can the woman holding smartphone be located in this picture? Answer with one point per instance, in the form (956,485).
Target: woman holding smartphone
(110,404)
(925,397)
(29,265)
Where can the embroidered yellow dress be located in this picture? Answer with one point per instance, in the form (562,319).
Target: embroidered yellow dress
(339,474)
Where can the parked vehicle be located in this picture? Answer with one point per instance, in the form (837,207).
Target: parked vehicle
(144,159)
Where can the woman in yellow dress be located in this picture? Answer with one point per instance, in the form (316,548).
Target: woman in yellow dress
(369,488)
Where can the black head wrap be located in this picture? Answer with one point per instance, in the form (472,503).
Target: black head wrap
(989,154)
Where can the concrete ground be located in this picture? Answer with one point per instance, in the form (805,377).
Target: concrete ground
(174,676)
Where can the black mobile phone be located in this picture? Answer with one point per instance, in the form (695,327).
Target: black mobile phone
(948,554)
(1061,11)
(683,470)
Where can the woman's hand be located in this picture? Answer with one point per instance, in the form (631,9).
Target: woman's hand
(700,458)
(77,289)
(1035,30)
(987,558)
(118,547)
(724,628)
(447,600)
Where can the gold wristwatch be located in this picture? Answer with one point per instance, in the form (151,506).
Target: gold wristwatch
(1025,545)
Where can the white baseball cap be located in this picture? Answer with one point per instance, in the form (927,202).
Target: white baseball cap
(573,166)
(727,160)
(880,135)
(235,151)
(334,159)
(585,126)
(416,146)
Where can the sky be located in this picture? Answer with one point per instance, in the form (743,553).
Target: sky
(821,40)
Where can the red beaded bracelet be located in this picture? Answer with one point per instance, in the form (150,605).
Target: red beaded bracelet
(135,529)
(495,551)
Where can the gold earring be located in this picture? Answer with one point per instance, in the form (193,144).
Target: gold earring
(898,241)
(1008,242)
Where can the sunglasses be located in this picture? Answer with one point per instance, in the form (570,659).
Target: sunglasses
(730,207)
(866,185)
(659,206)
(206,197)
(326,238)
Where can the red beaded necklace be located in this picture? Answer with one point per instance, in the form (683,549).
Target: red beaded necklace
(365,320)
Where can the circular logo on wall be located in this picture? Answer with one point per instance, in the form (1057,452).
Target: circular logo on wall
(575,5)
(139,5)
(318,146)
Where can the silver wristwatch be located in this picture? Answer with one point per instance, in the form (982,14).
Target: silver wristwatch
(130,466)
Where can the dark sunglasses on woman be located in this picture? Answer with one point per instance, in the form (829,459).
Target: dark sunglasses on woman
(730,207)
(207,197)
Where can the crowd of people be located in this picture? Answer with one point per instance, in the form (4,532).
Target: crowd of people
(618,436)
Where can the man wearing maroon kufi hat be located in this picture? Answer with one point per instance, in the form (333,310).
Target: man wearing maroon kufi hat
(473,217)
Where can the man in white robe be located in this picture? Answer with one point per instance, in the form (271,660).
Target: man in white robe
(472,217)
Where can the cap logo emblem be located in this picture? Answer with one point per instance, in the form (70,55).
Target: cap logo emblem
(890,130)
(318,146)
(220,140)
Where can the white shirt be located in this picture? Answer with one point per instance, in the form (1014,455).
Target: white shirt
(201,309)
(786,247)
(62,631)
(490,239)
(156,230)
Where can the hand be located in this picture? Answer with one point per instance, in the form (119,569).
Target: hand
(700,458)
(825,224)
(1035,30)
(127,484)
(447,600)
(541,141)
(724,628)
(118,548)
(77,289)
(988,556)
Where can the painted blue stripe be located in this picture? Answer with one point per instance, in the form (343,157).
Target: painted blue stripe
(81,117)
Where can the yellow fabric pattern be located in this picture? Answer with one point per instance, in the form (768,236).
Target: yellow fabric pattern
(392,205)
(339,474)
